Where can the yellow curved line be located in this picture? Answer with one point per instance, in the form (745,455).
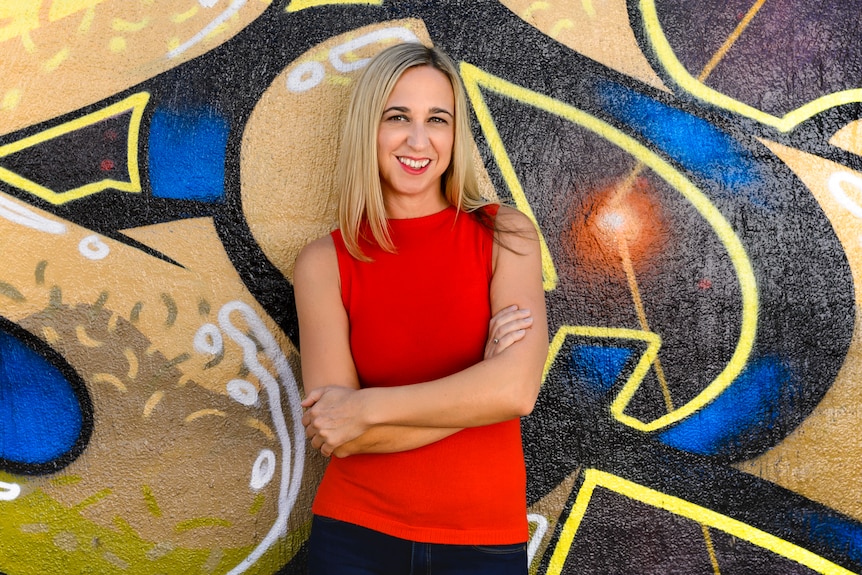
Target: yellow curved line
(589,8)
(474,78)
(109,378)
(534,7)
(203,413)
(255,423)
(152,402)
(121,25)
(651,339)
(594,478)
(559,25)
(181,17)
(686,81)
(134,103)
(54,61)
(85,339)
(297,5)
(132,360)
(50,334)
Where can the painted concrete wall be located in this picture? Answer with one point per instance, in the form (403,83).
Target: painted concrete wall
(695,169)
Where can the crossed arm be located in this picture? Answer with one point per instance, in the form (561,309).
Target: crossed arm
(342,419)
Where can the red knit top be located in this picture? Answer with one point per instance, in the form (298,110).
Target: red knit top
(416,316)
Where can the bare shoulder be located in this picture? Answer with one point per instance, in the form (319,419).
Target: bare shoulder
(515,226)
(316,261)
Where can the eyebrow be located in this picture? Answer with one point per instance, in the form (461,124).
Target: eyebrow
(405,109)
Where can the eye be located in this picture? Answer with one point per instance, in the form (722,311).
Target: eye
(396,118)
(438,120)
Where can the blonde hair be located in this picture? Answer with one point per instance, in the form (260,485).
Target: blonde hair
(358,178)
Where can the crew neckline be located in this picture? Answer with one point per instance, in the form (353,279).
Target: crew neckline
(420,219)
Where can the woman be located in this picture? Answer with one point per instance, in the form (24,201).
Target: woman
(423,338)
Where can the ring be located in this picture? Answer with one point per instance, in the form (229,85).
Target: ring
(496,341)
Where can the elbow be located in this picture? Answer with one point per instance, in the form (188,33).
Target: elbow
(524,400)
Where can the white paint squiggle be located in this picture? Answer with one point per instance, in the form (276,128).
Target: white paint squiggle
(218,21)
(242,391)
(538,535)
(208,340)
(21,215)
(835,186)
(93,248)
(394,33)
(291,475)
(263,470)
(9,491)
(305,76)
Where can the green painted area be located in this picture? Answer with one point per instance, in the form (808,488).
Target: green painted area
(38,535)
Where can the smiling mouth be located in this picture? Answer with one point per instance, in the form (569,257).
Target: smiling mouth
(415,164)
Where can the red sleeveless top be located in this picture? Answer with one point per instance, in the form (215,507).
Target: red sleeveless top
(415,316)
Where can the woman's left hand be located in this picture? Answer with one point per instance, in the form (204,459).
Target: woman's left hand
(507,327)
(333,417)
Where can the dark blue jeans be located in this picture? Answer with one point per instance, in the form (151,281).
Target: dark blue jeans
(339,548)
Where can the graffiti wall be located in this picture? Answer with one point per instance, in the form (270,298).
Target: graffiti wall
(695,170)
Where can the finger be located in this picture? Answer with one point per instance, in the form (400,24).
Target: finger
(312,397)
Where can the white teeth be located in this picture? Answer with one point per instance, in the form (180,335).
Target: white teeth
(415,164)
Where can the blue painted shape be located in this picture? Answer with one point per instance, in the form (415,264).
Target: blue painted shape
(40,414)
(187,151)
(837,533)
(596,367)
(698,146)
(743,413)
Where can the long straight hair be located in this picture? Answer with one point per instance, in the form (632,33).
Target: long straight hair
(358,177)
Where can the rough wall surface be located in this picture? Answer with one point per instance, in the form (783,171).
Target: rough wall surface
(695,169)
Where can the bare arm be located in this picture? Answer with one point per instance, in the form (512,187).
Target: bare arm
(325,348)
(499,388)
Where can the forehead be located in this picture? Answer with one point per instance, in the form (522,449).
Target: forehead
(422,84)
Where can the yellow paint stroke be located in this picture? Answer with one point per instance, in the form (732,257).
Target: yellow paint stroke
(64,8)
(112,322)
(51,335)
(474,79)
(19,18)
(11,99)
(117,44)
(667,58)
(92,499)
(652,341)
(134,104)
(731,40)
(87,20)
(534,7)
(151,501)
(297,5)
(181,17)
(631,278)
(710,549)
(204,413)
(257,504)
(594,478)
(112,379)
(54,61)
(85,339)
(589,8)
(66,480)
(121,25)
(560,25)
(132,360)
(152,402)
(255,423)
(200,523)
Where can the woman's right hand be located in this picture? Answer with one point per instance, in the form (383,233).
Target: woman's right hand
(508,326)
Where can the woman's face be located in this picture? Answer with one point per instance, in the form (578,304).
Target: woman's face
(415,137)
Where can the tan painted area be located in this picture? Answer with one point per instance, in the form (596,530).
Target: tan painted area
(821,458)
(598,29)
(171,456)
(291,141)
(550,507)
(849,138)
(49,46)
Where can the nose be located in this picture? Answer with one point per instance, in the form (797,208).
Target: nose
(418,136)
